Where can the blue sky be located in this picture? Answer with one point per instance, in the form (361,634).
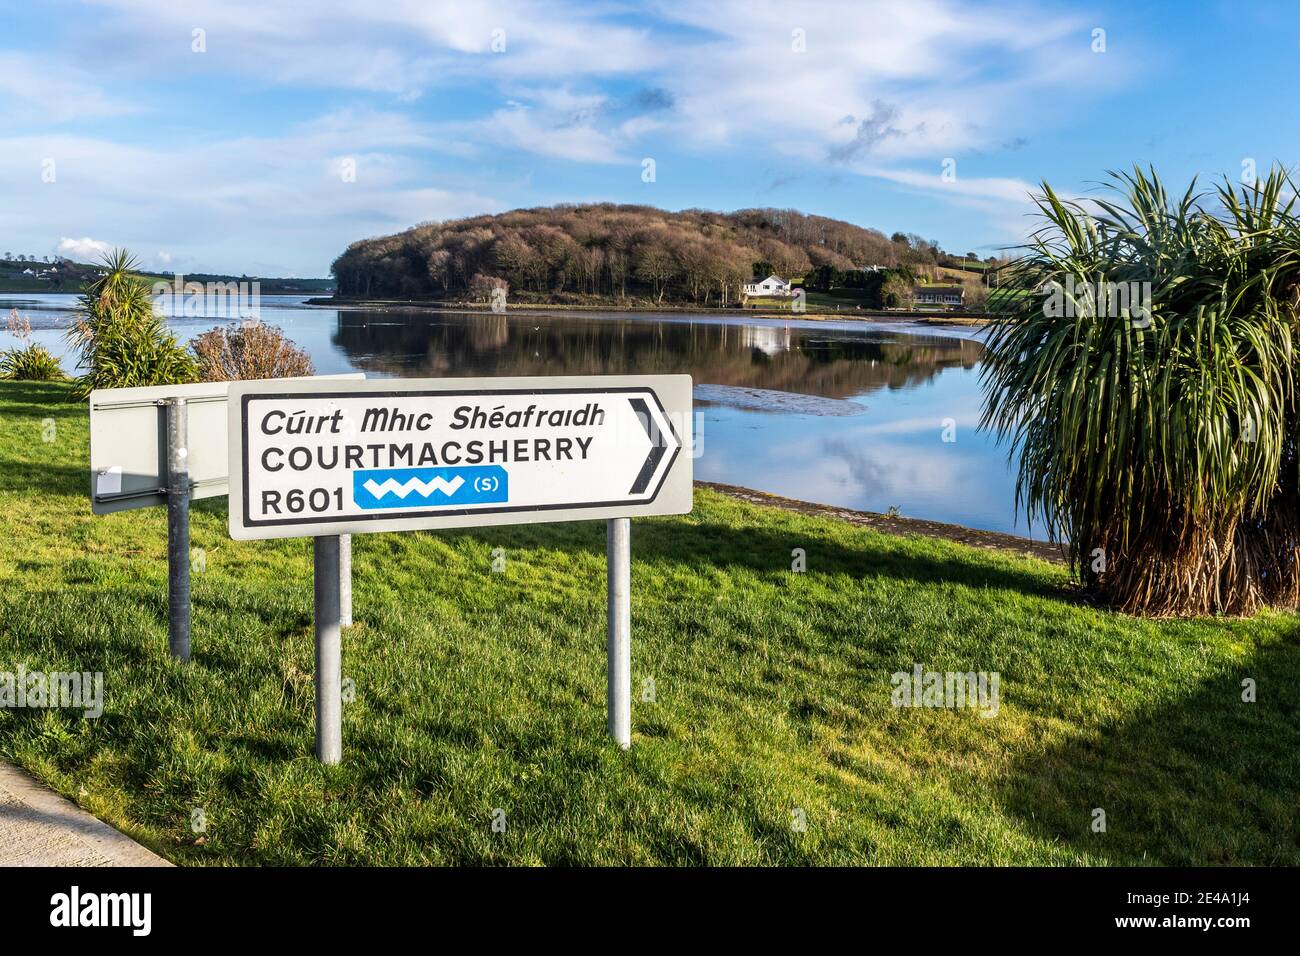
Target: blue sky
(221,135)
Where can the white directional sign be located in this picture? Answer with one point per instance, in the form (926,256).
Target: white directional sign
(321,458)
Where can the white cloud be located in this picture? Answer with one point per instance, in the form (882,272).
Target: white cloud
(883,90)
(730,66)
(44,90)
(395,46)
(520,127)
(205,202)
(921,64)
(973,189)
(84,249)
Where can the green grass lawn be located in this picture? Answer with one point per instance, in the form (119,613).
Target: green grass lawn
(477,690)
(843,298)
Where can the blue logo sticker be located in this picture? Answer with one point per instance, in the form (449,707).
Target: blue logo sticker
(424,487)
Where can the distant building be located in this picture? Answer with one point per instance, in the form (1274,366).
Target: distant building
(939,295)
(773,285)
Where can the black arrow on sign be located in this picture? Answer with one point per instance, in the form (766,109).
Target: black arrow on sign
(656,439)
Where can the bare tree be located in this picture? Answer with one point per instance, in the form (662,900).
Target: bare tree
(655,265)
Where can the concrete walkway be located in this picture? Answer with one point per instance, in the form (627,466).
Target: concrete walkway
(40,828)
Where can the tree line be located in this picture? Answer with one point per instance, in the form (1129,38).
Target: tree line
(577,252)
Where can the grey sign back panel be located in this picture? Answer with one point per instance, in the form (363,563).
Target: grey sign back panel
(671,466)
(128,442)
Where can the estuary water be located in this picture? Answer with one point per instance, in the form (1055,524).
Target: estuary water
(865,415)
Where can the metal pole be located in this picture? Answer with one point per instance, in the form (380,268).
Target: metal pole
(345,580)
(618,649)
(329,689)
(178,530)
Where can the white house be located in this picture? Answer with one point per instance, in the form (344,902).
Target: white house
(953,295)
(773,285)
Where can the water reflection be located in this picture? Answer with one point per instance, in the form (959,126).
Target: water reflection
(801,359)
(841,412)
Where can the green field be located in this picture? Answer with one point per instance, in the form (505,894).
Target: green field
(843,299)
(81,275)
(477,690)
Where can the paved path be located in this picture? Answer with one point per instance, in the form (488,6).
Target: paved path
(40,828)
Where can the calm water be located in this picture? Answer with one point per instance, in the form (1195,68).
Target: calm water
(844,413)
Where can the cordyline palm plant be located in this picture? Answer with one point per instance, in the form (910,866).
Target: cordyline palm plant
(121,341)
(1143,366)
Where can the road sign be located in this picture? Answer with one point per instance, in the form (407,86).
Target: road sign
(128,443)
(310,458)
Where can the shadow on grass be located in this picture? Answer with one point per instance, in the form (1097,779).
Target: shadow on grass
(47,479)
(26,406)
(762,549)
(1208,780)
(42,397)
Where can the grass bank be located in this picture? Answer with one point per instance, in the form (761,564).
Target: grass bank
(477,690)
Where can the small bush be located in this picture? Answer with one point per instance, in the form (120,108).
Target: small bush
(248,350)
(33,363)
(898,292)
(29,362)
(481,287)
(122,342)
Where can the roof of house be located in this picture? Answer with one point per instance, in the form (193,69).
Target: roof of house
(756,280)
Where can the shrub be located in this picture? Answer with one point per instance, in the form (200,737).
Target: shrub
(1158,440)
(33,363)
(248,350)
(481,287)
(121,341)
(898,292)
(29,362)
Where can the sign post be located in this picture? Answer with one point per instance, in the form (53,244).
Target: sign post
(332,459)
(178,530)
(618,648)
(166,445)
(329,679)
(345,580)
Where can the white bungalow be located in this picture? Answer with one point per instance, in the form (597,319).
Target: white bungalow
(773,285)
(939,295)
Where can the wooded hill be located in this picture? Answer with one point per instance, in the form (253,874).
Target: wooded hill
(575,253)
